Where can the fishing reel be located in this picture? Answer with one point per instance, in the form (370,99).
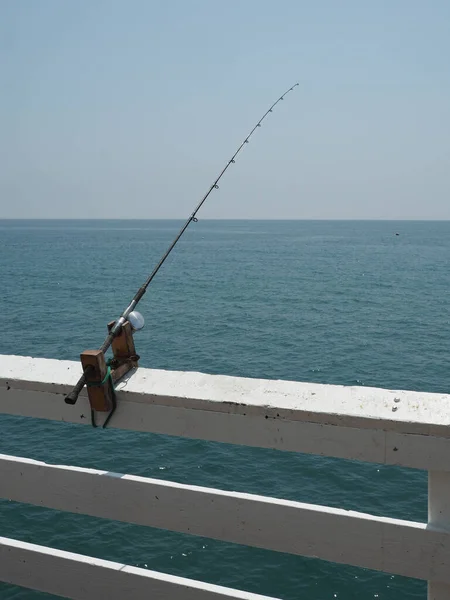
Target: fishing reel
(102,374)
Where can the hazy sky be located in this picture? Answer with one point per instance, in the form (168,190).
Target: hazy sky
(129,109)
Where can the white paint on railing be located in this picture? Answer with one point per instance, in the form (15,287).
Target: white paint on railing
(439,518)
(383,426)
(86,578)
(391,545)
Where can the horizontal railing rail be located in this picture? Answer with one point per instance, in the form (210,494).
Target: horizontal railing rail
(380,543)
(84,578)
(383,426)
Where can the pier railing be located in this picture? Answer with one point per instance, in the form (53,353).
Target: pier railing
(409,429)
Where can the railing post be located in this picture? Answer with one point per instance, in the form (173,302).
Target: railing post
(438,515)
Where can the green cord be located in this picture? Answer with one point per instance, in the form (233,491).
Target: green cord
(104,380)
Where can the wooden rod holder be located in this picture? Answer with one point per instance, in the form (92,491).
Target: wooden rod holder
(98,385)
(100,390)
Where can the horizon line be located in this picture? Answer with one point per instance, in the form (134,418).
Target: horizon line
(224,219)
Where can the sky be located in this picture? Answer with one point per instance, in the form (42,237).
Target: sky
(130,109)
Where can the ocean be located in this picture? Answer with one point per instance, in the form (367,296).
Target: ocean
(342,302)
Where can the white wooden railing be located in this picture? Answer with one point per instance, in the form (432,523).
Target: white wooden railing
(404,428)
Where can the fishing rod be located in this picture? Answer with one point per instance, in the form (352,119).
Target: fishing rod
(116,328)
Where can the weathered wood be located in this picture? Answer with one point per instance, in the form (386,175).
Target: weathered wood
(392,545)
(94,367)
(438,518)
(346,422)
(438,591)
(123,344)
(86,578)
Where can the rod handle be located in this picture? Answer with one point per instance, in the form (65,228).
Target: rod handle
(73,396)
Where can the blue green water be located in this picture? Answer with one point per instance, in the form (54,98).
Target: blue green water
(330,302)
